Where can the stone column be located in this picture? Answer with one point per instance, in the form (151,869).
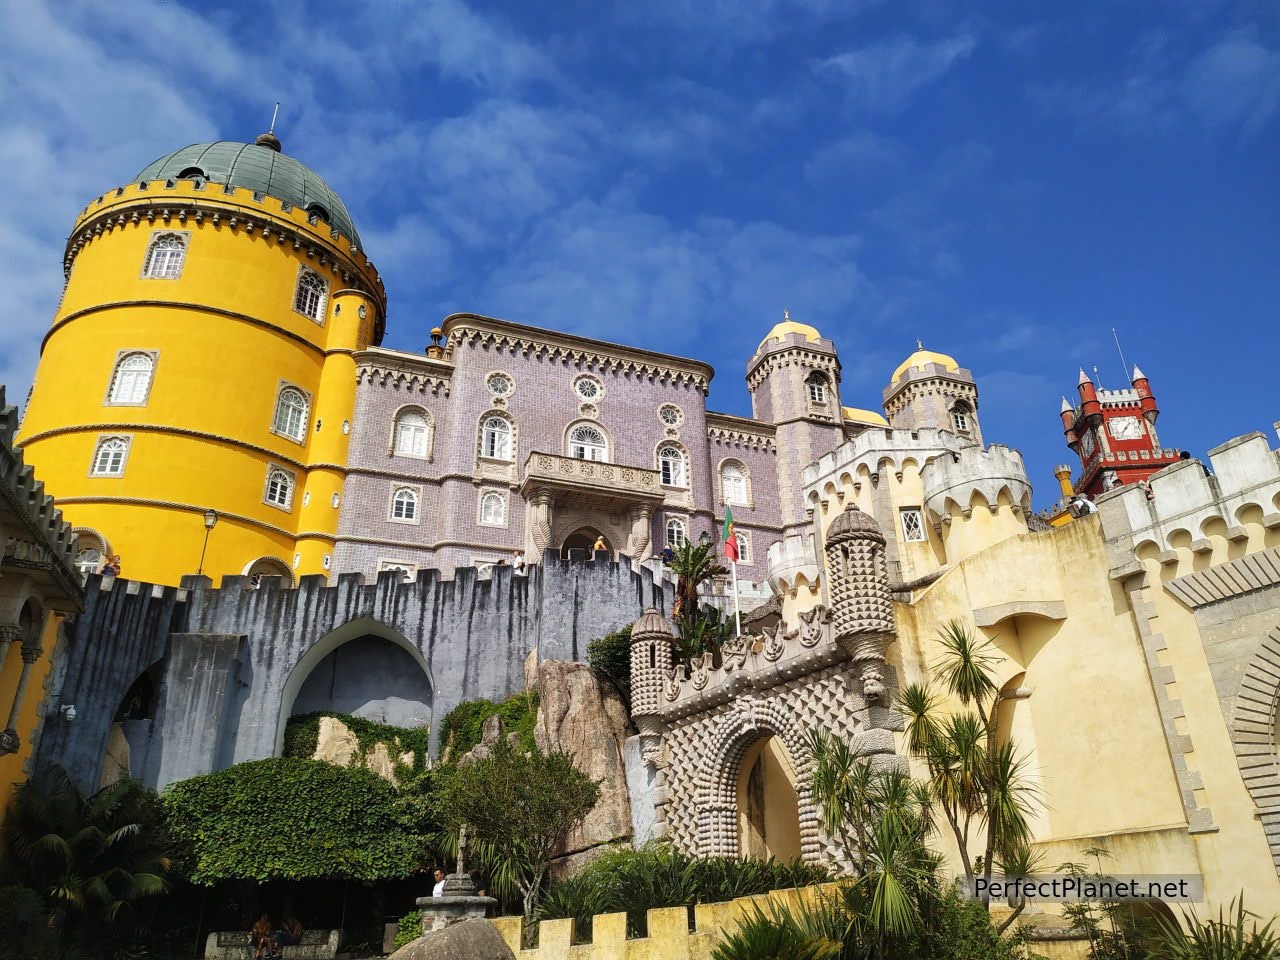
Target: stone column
(639,546)
(538,530)
(9,635)
(9,742)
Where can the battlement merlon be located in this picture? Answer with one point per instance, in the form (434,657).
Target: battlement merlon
(1187,497)
(871,448)
(988,473)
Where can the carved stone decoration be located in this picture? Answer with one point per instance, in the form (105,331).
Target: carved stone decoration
(812,624)
(672,685)
(733,652)
(638,544)
(873,685)
(701,665)
(774,642)
(540,522)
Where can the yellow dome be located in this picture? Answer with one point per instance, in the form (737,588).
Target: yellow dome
(858,415)
(780,330)
(922,358)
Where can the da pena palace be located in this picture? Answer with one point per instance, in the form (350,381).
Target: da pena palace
(306,520)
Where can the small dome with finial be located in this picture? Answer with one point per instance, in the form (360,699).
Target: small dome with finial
(853,523)
(268,140)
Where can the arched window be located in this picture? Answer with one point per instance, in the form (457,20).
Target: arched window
(319,212)
(733,483)
(131,381)
(672,466)
(744,547)
(413,434)
(279,488)
(91,551)
(309,299)
(588,443)
(404,504)
(268,567)
(960,418)
(677,532)
(109,457)
(291,414)
(165,255)
(495,438)
(493,509)
(816,385)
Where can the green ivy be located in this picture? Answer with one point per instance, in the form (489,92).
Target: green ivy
(610,655)
(464,724)
(289,818)
(410,929)
(302,734)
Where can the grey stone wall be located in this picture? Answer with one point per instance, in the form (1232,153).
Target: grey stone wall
(232,661)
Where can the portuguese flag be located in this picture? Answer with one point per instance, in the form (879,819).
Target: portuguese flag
(730,541)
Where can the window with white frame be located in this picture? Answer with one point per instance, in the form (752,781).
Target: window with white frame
(279,492)
(413,433)
(671,415)
(588,443)
(744,546)
(131,379)
(733,483)
(588,388)
(290,419)
(499,384)
(960,418)
(913,525)
(672,466)
(109,457)
(677,532)
(495,438)
(404,505)
(311,295)
(165,255)
(405,568)
(493,509)
(816,385)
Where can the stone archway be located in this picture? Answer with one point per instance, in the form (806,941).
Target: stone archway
(741,729)
(1255,733)
(391,686)
(584,538)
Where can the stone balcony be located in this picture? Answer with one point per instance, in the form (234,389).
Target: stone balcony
(574,480)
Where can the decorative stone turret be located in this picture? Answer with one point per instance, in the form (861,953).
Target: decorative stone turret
(651,662)
(861,607)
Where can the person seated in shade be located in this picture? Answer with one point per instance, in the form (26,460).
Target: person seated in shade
(290,932)
(111,568)
(517,562)
(261,938)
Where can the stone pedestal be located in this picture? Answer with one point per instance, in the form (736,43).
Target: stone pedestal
(458,903)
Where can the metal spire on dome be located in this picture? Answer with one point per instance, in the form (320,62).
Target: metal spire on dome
(919,344)
(269,139)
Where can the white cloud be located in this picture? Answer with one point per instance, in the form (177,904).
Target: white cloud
(1235,81)
(884,76)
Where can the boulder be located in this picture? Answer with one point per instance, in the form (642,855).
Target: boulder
(337,743)
(584,716)
(473,939)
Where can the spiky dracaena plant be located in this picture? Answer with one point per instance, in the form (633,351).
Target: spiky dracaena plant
(976,781)
(1226,938)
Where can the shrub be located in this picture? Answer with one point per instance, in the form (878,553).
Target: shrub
(302,733)
(464,724)
(410,928)
(286,818)
(25,925)
(1226,938)
(656,875)
(610,656)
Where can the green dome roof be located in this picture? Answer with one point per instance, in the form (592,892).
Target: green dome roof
(260,168)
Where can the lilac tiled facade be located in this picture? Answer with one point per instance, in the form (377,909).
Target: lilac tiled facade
(577,451)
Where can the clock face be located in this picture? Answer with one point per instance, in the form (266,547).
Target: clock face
(1125,428)
(1087,442)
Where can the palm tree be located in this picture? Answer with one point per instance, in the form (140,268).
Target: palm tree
(93,860)
(693,564)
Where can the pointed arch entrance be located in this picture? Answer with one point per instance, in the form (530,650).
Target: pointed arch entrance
(364,668)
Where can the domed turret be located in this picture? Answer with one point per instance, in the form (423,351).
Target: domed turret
(260,167)
(931,390)
(922,359)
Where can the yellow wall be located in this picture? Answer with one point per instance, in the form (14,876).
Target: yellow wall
(227,338)
(11,764)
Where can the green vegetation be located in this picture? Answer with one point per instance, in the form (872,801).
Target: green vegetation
(465,722)
(286,818)
(302,733)
(610,656)
(1226,938)
(516,807)
(655,876)
(86,869)
(410,928)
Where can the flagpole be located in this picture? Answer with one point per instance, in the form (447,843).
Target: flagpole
(737,611)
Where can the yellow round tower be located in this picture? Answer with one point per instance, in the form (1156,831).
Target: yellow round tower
(193,401)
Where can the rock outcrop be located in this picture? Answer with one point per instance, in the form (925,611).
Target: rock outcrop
(584,716)
(473,939)
(337,743)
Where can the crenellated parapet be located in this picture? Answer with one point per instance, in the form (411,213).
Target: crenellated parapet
(793,564)
(995,475)
(36,539)
(1184,505)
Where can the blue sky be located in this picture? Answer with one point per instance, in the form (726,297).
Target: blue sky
(1007,181)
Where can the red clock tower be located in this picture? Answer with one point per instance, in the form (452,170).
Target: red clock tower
(1114,434)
